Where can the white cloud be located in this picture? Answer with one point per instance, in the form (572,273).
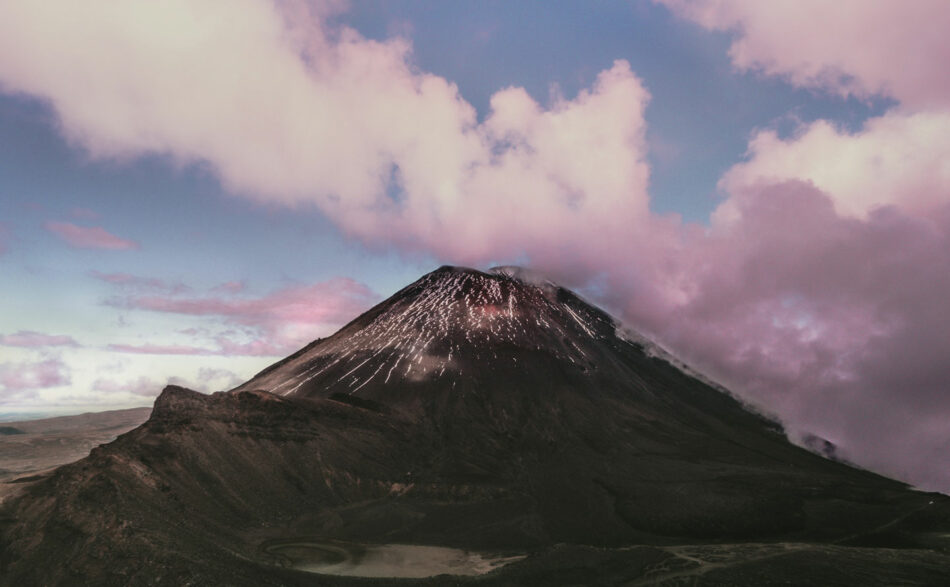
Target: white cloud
(896,159)
(286,110)
(858,47)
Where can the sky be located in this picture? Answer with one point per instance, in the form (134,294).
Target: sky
(193,189)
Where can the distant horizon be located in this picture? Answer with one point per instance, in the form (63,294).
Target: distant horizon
(10,417)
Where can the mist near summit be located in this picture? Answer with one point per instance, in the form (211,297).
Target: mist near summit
(817,290)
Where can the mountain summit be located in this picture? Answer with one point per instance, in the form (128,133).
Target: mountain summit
(485,412)
(451,326)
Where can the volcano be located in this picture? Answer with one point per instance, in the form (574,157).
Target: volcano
(482,428)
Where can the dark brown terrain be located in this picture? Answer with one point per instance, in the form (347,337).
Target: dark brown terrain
(485,412)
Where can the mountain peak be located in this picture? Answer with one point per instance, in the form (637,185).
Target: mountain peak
(451,321)
(516,272)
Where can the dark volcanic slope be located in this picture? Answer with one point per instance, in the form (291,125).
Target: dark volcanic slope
(481,411)
(527,387)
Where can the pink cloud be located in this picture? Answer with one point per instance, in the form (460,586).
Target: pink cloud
(820,288)
(285,318)
(124,278)
(231,287)
(157,349)
(826,44)
(838,324)
(141,386)
(95,237)
(225,346)
(135,282)
(257,348)
(28,338)
(270,325)
(16,377)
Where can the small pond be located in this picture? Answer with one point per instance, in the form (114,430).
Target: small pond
(332,557)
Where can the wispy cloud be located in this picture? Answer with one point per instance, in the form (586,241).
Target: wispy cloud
(278,322)
(30,339)
(208,375)
(139,283)
(140,386)
(231,287)
(94,237)
(158,349)
(325,303)
(262,347)
(225,346)
(15,377)
(206,379)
